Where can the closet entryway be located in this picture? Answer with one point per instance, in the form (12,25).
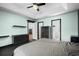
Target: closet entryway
(56,29)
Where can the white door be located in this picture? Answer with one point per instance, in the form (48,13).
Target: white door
(40,25)
(35,30)
(56,30)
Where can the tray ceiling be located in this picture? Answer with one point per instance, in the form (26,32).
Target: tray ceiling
(50,9)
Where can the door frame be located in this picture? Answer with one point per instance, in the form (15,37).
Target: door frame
(29,21)
(60,26)
(38,28)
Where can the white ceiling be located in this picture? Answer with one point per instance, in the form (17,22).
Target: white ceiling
(50,9)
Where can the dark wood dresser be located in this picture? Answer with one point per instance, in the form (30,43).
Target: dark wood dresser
(20,39)
(45,32)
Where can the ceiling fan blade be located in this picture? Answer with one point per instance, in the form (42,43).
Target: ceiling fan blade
(41,4)
(29,6)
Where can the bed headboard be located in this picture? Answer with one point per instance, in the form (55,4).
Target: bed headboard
(75,39)
(19,39)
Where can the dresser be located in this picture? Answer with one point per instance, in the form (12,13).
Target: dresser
(46,32)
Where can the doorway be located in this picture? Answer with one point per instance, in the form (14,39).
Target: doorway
(39,25)
(30,27)
(56,29)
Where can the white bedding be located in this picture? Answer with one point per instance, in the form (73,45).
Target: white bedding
(44,47)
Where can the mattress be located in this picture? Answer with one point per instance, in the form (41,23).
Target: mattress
(47,47)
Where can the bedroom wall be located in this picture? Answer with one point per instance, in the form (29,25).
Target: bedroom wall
(69,24)
(7,20)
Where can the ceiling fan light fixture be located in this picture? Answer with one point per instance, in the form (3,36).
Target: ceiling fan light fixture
(35,7)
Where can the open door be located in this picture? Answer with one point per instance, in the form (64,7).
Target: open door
(31,29)
(56,29)
(40,24)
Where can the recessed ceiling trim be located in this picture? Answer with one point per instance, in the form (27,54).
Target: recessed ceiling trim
(11,11)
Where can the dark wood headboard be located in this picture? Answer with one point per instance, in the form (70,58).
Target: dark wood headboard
(19,39)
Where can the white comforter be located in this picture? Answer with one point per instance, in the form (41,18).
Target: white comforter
(44,47)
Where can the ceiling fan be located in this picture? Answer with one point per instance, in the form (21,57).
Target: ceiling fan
(36,5)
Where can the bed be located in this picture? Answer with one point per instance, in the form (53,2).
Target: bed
(47,47)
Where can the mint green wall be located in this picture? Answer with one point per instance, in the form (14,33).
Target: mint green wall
(7,20)
(69,24)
